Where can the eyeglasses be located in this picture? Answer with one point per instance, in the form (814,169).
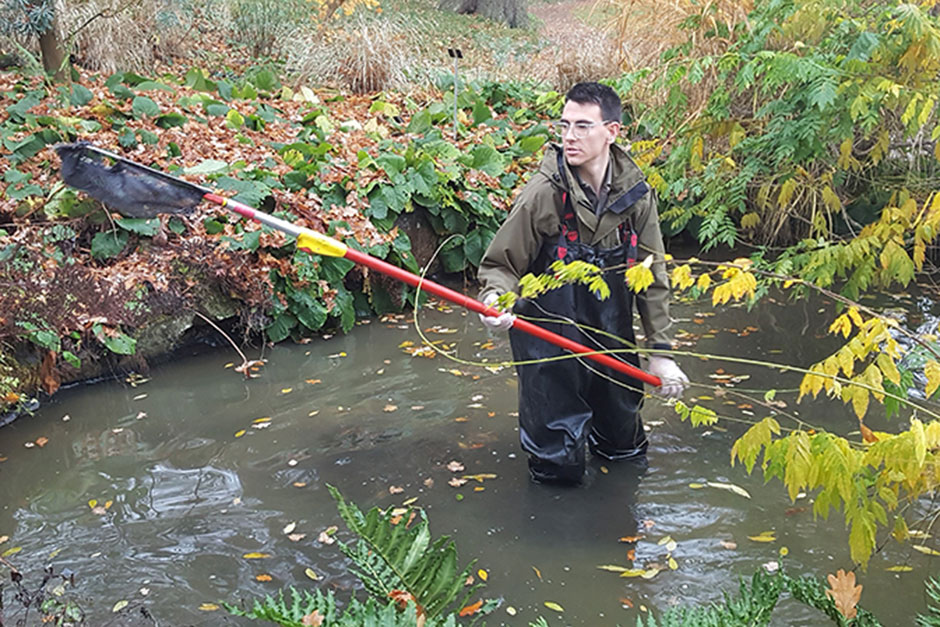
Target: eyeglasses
(579,130)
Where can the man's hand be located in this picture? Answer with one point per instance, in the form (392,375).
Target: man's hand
(673,379)
(502,322)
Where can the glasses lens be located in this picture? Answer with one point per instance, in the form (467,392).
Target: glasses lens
(578,130)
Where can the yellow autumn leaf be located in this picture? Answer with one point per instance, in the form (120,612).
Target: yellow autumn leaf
(286,390)
(93,503)
(120,605)
(633,572)
(239,433)
(311,574)
(764,536)
(673,564)
(11,551)
(926,550)
(900,568)
(483,575)
(932,370)
(730,487)
(613,568)
(554,606)
(256,556)
(208,607)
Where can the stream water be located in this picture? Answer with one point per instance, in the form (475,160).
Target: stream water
(196,467)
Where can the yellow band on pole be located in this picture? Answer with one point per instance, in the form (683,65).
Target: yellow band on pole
(320,244)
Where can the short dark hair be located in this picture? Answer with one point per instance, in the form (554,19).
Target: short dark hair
(601,95)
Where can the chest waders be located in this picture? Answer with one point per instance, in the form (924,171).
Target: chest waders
(563,405)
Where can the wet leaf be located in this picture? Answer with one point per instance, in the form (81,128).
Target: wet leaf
(728,544)
(729,487)
(264,577)
(93,503)
(4,539)
(394,489)
(926,550)
(554,606)
(313,619)
(764,536)
(455,466)
(613,568)
(120,605)
(471,609)
(313,381)
(696,486)
(633,572)
(256,556)
(11,551)
(900,568)
(843,591)
(483,575)
(510,610)
(239,433)
(538,573)
(389,408)
(208,607)
(630,538)
(626,603)
(286,390)
(299,484)
(42,441)
(311,574)
(410,501)
(296,537)
(673,565)
(456,482)
(289,528)
(480,477)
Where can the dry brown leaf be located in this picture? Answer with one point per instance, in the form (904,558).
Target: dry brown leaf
(844,592)
(456,482)
(312,620)
(42,441)
(455,466)
(394,489)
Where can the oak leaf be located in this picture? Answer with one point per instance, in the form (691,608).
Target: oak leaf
(844,592)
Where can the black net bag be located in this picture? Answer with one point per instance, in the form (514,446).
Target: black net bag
(132,190)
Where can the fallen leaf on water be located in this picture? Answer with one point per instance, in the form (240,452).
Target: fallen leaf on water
(455,466)
(471,609)
(633,572)
(696,486)
(480,477)
(410,501)
(630,538)
(729,487)
(286,390)
(673,564)
(289,528)
(604,470)
(429,482)
(394,489)
(120,605)
(296,537)
(93,503)
(538,573)
(4,539)
(554,606)
(263,577)
(510,610)
(312,620)
(42,441)
(311,574)
(312,381)
(11,551)
(389,408)
(900,568)
(631,555)
(208,607)
(483,574)
(239,433)
(229,364)
(764,536)
(926,550)
(843,591)
(613,568)
(335,355)
(918,533)
(299,484)
(626,603)
(256,556)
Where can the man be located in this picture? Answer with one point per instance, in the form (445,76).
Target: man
(588,201)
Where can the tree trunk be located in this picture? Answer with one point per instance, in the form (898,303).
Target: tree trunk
(53,53)
(510,12)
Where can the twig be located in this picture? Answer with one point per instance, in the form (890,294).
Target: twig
(246,363)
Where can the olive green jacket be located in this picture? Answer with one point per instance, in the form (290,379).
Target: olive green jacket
(534,218)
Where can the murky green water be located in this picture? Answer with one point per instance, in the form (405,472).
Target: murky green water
(190,495)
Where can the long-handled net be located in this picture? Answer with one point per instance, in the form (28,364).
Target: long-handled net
(138,191)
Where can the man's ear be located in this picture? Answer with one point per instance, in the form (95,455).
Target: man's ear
(614,130)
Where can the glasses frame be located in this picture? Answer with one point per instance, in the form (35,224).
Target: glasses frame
(579,129)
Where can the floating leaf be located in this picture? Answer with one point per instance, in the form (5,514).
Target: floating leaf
(311,574)
(538,573)
(455,466)
(239,433)
(730,487)
(613,568)
(673,565)
(471,609)
(296,537)
(256,556)
(900,568)
(120,605)
(554,606)
(633,572)
(483,575)
(764,536)
(11,551)
(926,550)
(264,577)
(289,528)
(208,607)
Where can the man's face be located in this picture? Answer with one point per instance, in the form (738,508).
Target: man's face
(594,144)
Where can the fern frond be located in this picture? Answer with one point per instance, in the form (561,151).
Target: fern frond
(289,612)
(390,557)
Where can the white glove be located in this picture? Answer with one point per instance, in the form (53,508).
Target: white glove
(674,381)
(502,322)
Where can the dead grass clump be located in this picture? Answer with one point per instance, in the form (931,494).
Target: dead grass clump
(362,54)
(592,59)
